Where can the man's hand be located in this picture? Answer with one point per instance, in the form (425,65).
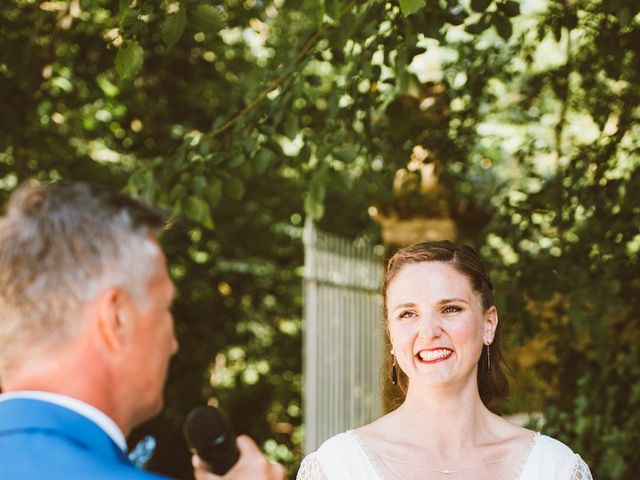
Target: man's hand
(252,465)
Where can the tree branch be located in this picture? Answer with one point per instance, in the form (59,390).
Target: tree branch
(309,44)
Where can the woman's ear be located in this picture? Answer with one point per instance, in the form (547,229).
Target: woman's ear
(490,324)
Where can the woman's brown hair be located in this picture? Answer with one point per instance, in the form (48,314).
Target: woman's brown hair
(493,385)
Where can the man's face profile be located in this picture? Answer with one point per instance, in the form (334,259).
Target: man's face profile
(152,341)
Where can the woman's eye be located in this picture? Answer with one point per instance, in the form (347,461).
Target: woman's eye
(451,309)
(406,314)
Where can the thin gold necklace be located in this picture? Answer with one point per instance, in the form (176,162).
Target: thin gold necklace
(445,471)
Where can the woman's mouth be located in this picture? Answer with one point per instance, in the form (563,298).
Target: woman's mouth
(434,356)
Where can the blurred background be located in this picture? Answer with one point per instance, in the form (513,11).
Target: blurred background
(513,126)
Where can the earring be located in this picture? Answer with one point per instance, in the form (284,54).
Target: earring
(394,371)
(488,358)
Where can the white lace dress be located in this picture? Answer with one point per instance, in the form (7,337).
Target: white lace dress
(343,457)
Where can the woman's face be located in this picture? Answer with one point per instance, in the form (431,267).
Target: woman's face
(437,324)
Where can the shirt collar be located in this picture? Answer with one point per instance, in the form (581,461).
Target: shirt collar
(92,413)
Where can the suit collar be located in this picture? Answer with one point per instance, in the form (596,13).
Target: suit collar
(38,415)
(78,406)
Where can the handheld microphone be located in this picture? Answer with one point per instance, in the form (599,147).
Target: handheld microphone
(210,435)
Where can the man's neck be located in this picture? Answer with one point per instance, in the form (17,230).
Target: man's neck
(65,373)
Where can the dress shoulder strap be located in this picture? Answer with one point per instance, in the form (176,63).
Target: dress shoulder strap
(550,459)
(342,458)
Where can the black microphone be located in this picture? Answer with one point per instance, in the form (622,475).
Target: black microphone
(210,435)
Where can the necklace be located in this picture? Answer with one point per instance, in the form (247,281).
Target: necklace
(446,471)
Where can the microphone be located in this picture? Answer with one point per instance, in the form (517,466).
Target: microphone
(210,435)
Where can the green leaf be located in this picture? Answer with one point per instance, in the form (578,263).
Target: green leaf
(343,31)
(332,8)
(177,194)
(346,154)
(315,209)
(196,209)
(198,183)
(334,99)
(262,160)
(411,6)
(314,201)
(127,15)
(129,59)
(291,126)
(108,88)
(503,26)
(305,153)
(509,8)
(456,15)
(570,19)
(173,27)
(624,16)
(480,5)
(234,188)
(208,222)
(401,64)
(557,31)
(213,192)
(480,26)
(341,180)
(313,80)
(141,183)
(207,19)
(236,161)
(249,143)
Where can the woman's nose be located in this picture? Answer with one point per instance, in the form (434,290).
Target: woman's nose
(429,326)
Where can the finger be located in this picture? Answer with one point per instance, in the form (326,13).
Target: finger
(251,456)
(247,446)
(249,449)
(205,475)
(196,461)
(277,472)
(200,471)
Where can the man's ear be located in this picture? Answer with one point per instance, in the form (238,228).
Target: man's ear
(109,308)
(490,324)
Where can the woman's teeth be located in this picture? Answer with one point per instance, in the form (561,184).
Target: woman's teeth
(430,355)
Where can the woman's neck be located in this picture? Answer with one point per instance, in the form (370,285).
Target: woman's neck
(452,421)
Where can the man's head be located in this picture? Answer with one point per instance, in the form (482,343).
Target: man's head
(77,261)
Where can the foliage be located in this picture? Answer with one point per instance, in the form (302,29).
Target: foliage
(240,117)
(564,130)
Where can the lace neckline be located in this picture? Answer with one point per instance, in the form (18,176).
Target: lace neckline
(532,443)
(526,458)
(358,441)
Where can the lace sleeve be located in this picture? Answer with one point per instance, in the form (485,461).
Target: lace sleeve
(310,469)
(581,470)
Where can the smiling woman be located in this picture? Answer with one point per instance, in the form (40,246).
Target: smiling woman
(467,273)
(444,333)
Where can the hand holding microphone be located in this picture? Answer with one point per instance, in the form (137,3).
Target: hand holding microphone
(219,455)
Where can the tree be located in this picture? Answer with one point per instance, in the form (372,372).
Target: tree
(241,117)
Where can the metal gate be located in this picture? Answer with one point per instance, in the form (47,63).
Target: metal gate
(343,335)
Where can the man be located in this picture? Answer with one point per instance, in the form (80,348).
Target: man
(86,334)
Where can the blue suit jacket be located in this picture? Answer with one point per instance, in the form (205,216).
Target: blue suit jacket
(41,440)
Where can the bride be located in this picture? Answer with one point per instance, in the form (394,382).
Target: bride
(446,359)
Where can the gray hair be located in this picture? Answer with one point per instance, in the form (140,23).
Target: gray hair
(60,244)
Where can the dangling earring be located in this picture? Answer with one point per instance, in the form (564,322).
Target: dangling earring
(488,358)
(394,371)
